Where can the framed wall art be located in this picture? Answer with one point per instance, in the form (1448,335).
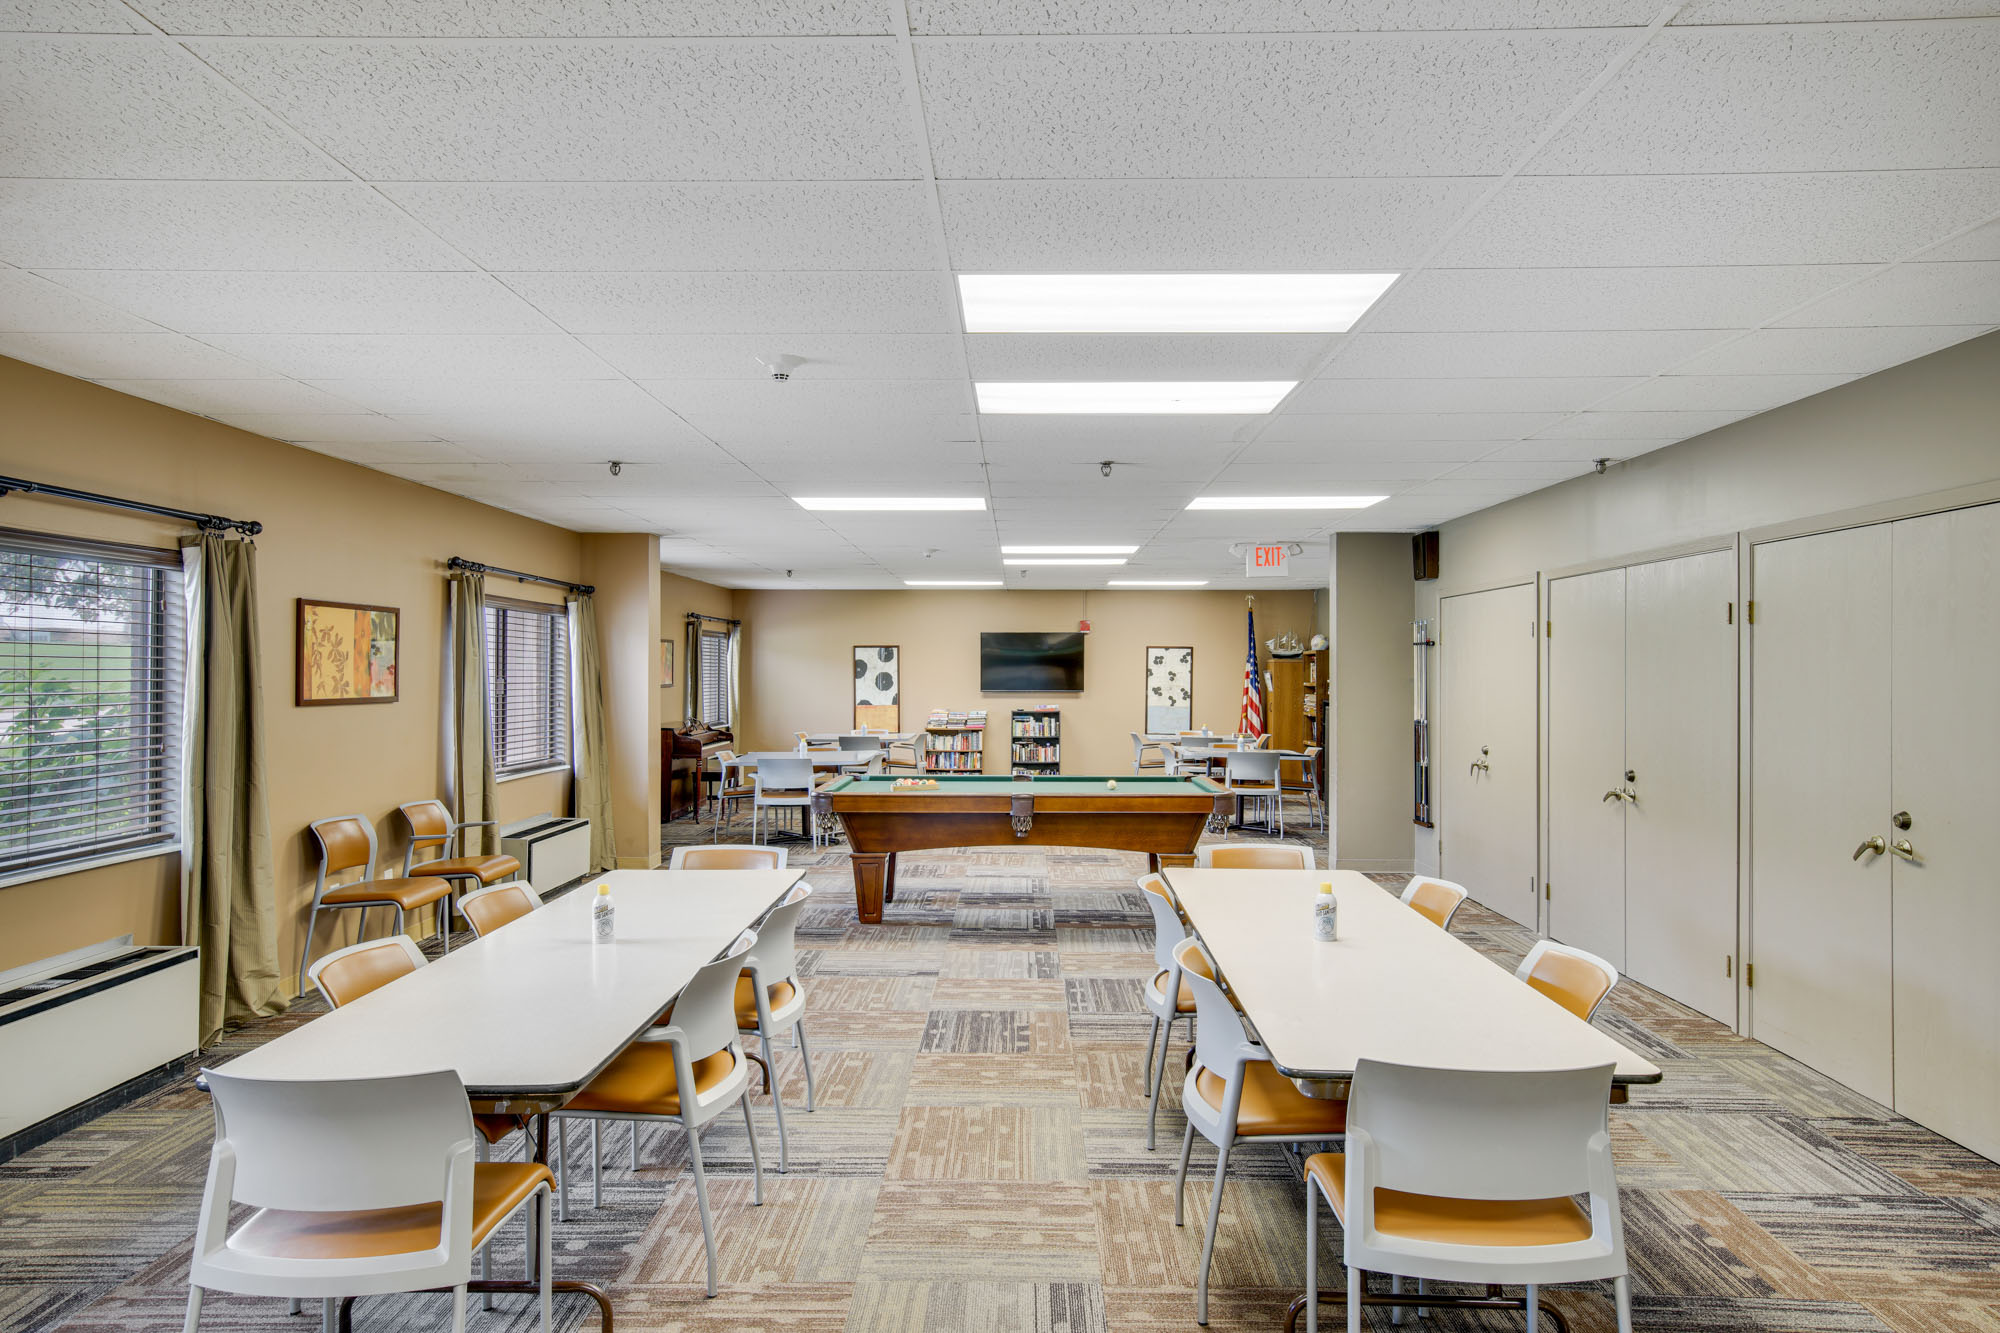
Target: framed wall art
(348,654)
(1169,689)
(666,663)
(878,687)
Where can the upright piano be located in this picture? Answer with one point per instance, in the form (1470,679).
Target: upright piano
(684,754)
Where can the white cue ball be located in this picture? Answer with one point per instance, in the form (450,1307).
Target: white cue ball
(1111,785)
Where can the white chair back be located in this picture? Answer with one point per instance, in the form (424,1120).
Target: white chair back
(705,1012)
(775,958)
(860,741)
(515,893)
(1251,767)
(341,1145)
(786,773)
(1167,927)
(1480,1134)
(1220,1040)
(728,856)
(361,968)
(1254,856)
(1567,975)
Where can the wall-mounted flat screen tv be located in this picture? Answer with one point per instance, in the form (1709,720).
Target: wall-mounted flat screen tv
(1031,663)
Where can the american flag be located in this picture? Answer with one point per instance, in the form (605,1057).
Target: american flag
(1250,722)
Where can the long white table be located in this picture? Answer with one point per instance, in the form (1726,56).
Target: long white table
(531,1013)
(1393,987)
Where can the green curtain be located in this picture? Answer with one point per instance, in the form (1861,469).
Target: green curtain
(592,777)
(691,675)
(231,894)
(473,788)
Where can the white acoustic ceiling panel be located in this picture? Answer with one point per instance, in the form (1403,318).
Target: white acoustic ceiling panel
(315,302)
(520,18)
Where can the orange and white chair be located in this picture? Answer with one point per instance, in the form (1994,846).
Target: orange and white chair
(488,909)
(1453,1175)
(1437,899)
(1253,856)
(770,1001)
(433,849)
(1574,979)
(347,842)
(1167,997)
(728,856)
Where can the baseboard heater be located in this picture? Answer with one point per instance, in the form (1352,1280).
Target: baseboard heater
(78,1026)
(553,851)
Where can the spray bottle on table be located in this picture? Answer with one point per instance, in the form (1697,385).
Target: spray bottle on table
(602,913)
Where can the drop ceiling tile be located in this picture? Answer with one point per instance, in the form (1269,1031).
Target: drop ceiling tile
(362,356)
(1387,426)
(135,107)
(1978,243)
(1390,455)
(1821,11)
(1954,293)
(1492,488)
(1190,456)
(63,224)
(94,356)
(547,434)
(1751,393)
(740,356)
(584,401)
(1265,16)
(1639,425)
(1327,478)
(521,18)
(1455,395)
(1127,437)
(1468,300)
(1161,109)
(1655,221)
(290,303)
(1202,225)
(1420,355)
(31,304)
(1577,450)
(524,111)
(697,225)
(1824,351)
(1825,97)
(1544,470)
(230,397)
(377,436)
(67,16)
(366,453)
(804,411)
(1160,356)
(760,303)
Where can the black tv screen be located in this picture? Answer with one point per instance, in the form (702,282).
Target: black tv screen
(1031,663)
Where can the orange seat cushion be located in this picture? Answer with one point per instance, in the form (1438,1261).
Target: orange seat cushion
(1570,981)
(1443,1221)
(1183,1005)
(494,1128)
(746,999)
(1272,1105)
(498,1188)
(641,1081)
(487,869)
(408,893)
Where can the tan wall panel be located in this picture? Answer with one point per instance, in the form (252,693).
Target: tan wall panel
(625,568)
(1373,694)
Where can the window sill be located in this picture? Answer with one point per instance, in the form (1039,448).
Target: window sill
(91,863)
(543,771)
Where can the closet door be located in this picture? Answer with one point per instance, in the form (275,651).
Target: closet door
(1680,741)
(1820,916)
(1947,901)
(1586,874)
(1486,716)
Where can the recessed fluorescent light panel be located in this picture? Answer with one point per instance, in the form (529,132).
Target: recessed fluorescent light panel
(1156,583)
(1167,302)
(889,502)
(1136,397)
(1285,501)
(1062,560)
(954,583)
(1067,550)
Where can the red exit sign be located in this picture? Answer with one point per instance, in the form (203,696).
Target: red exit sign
(1265,562)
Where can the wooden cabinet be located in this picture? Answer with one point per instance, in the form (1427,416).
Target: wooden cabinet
(1295,712)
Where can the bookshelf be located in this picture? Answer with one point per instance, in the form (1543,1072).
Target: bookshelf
(1035,736)
(955,742)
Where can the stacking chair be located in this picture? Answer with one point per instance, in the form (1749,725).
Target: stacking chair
(729,856)
(362,1187)
(901,754)
(1576,980)
(1438,899)
(734,785)
(1234,1095)
(1140,763)
(1167,997)
(1254,856)
(434,834)
(347,842)
(486,910)
(1463,1176)
(689,1072)
(783,782)
(1300,777)
(770,1001)
(860,740)
(1254,773)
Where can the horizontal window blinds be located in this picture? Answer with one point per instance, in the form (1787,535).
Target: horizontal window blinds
(527,672)
(715,679)
(93,646)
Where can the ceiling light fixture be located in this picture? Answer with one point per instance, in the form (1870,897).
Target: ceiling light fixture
(1285,501)
(1068,550)
(889,502)
(1167,302)
(1133,397)
(1061,560)
(1157,583)
(954,583)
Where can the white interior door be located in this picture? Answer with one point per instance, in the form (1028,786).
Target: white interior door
(1485,752)
(1946,643)
(1586,872)
(1680,742)
(1819,692)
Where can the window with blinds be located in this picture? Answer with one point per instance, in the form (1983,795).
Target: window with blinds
(93,650)
(714,679)
(527,679)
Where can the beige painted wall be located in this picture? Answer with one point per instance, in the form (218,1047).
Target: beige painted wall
(798,677)
(332,530)
(1928,425)
(1372,685)
(678,596)
(625,569)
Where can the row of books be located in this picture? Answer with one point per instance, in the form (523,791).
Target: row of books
(1037,754)
(964,740)
(944,719)
(947,762)
(1027,726)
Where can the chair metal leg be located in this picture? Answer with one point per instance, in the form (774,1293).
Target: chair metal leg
(486,1274)
(294,1305)
(562,1166)
(777,1106)
(1208,1241)
(1152,1040)
(596,1165)
(701,1203)
(1355,1277)
(1534,1311)
(756,1160)
(329,1315)
(1180,1176)
(1621,1295)
(305,946)
(193,1310)
(805,1058)
(546,1239)
(635,1145)
(1395,1289)
(1159,1078)
(458,1308)
(1312,1257)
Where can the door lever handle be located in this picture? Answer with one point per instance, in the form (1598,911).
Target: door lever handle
(1902,848)
(1875,845)
(1613,795)
(1478,766)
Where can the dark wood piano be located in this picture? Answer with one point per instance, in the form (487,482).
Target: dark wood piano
(683,754)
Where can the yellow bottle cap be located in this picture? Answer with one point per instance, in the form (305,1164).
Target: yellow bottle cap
(604,888)
(1326,886)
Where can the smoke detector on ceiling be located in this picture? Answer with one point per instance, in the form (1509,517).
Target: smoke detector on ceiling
(780,365)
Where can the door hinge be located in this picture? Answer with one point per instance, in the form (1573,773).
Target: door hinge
(1545,890)
(1729,618)
(1551,627)
(1728,966)
(1750,612)
(1749,974)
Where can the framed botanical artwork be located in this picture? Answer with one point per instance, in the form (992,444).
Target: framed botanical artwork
(348,654)
(878,687)
(1169,689)
(666,663)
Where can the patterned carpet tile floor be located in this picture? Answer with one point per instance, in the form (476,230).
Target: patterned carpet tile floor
(977,1162)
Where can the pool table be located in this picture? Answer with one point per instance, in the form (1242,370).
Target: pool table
(1161,816)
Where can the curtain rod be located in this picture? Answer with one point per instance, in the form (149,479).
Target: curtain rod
(720,620)
(460,562)
(206,522)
